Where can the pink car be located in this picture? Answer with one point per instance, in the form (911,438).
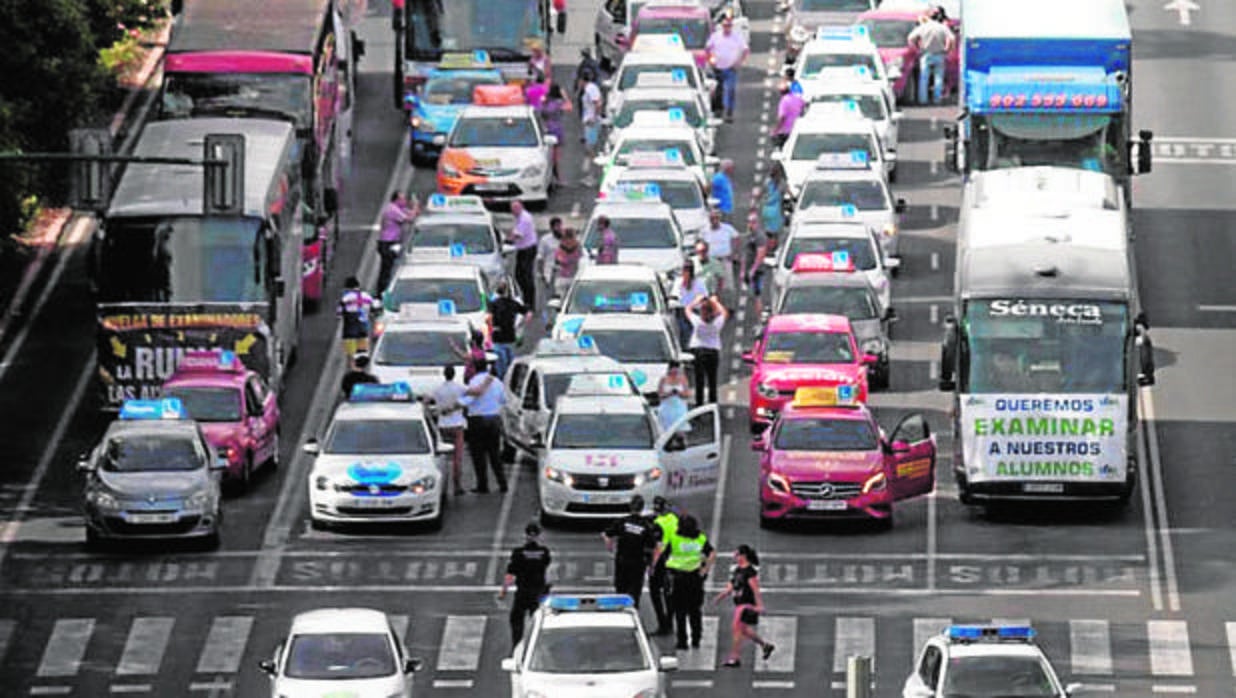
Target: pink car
(692,23)
(237,411)
(889,26)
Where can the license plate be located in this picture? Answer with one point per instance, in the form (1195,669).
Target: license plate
(152,518)
(604,499)
(375,503)
(490,187)
(826,505)
(1043,488)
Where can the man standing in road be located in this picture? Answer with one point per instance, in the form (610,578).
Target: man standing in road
(666,521)
(934,41)
(484,399)
(355,308)
(503,312)
(631,539)
(727,51)
(721,237)
(395,214)
(526,570)
(523,237)
(449,411)
(546,248)
(707,316)
(722,188)
(789,108)
(590,115)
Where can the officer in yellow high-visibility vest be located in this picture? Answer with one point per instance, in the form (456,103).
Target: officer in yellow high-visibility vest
(666,521)
(689,558)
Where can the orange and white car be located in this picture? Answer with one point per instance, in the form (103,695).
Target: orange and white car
(499,153)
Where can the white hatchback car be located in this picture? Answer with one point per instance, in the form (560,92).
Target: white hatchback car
(647,230)
(656,135)
(828,138)
(837,51)
(863,97)
(416,349)
(611,288)
(866,191)
(677,187)
(641,343)
(341,651)
(830,231)
(459,229)
(982,661)
(679,66)
(661,98)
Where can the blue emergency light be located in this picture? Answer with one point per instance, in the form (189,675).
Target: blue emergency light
(399,391)
(601,602)
(990,633)
(153,410)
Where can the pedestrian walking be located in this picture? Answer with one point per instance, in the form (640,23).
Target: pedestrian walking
(789,108)
(755,250)
(744,588)
(560,14)
(590,116)
(727,51)
(526,571)
(355,310)
(449,409)
(686,289)
(523,236)
(538,60)
(721,188)
(504,313)
(721,237)
(708,271)
(707,316)
(607,242)
(674,391)
(566,262)
(358,374)
(934,41)
(484,398)
(588,66)
(632,540)
(395,214)
(553,110)
(689,560)
(666,520)
(772,201)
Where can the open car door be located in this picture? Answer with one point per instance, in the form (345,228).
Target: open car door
(690,452)
(910,458)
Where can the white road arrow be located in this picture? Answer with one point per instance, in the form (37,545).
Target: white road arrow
(1184,8)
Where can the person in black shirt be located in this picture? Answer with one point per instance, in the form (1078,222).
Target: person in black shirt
(526,570)
(632,540)
(744,586)
(503,312)
(359,374)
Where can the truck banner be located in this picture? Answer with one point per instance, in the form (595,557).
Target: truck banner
(140,344)
(1062,438)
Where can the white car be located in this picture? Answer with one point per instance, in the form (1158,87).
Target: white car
(641,343)
(497,153)
(611,288)
(415,349)
(863,97)
(675,142)
(829,138)
(647,230)
(442,289)
(380,460)
(605,446)
(979,661)
(611,32)
(804,17)
(676,186)
(863,188)
(679,66)
(831,231)
(459,229)
(842,52)
(341,651)
(588,647)
(660,97)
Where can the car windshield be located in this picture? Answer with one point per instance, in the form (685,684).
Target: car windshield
(810,146)
(995,676)
(249,95)
(635,233)
(495,132)
(464,292)
(834,5)
(631,73)
(859,249)
(816,62)
(419,348)
(597,650)
(690,110)
(685,153)
(680,194)
(556,385)
(477,238)
(208,404)
(825,435)
(619,431)
(149,453)
(808,348)
(456,89)
(863,195)
(332,656)
(368,437)
(871,106)
(889,33)
(693,30)
(632,346)
(853,302)
(613,297)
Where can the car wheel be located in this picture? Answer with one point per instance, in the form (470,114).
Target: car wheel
(246,475)
(93,540)
(892,175)
(886,524)
(548,520)
(881,379)
(435,524)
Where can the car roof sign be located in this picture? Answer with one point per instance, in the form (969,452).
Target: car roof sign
(467,203)
(463,61)
(852,160)
(836,261)
(168,408)
(598,602)
(966,634)
(826,396)
(210,361)
(381,392)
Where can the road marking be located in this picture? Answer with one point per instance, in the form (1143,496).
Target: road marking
(718,503)
(452,683)
(496,549)
(462,638)
(143,649)
(1152,546)
(218,686)
(903,300)
(130,688)
(782,631)
(927,628)
(935,261)
(1011,621)
(855,637)
(1184,10)
(1160,688)
(64,651)
(1231,644)
(225,645)
(705,657)
(691,683)
(1169,648)
(1157,517)
(773,683)
(934,312)
(935,212)
(50,690)
(1217,308)
(1091,646)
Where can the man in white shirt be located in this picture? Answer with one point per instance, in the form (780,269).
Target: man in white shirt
(590,115)
(727,51)
(546,248)
(707,317)
(484,398)
(451,422)
(721,238)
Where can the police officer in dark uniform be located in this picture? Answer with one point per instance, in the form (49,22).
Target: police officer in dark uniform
(631,539)
(666,521)
(526,571)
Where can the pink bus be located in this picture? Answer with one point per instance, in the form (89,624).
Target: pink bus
(286,59)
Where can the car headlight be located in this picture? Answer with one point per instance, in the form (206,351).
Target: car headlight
(779,483)
(449,171)
(199,500)
(647,477)
(103,499)
(555,475)
(875,483)
(416,122)
(532,171)
(766,390)
(423,485)
(875,345)
(322,482)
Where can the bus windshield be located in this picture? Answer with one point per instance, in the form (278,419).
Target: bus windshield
(182,260)
(260,95)
(500,27)
(1043,346)
(1085,141)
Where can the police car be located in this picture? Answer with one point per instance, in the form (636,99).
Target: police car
(499,153)
(435,106)
(588,647)
(830,138)
(459,229)
(865,98)
(416,345)
(605,445)
(854,183)
(984,661)
(535,382)
(641,343)
(647,229)
(678,65)
(819,286)
(676,186)
(662,135)
(836,51)
(831,231)
(380,460)
(610,288)
(656,92)
(153,475)
(804,16)
(442,288)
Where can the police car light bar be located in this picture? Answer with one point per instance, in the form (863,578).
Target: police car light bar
(212,361)
(837,261)
(990,633)
(462,61)
(467,203)
(600,602)
(853,160)
(153,410)
(381,392)
(853,32)
(826,396)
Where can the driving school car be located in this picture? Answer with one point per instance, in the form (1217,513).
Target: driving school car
(826,138)
(826,457)
(641,343)
(433,107)
(459,229)
(834,233)
(499,153)
(678,65)
(610,288)
(657,93)
(796,351)
(856,184)
(647,229)
(415,346)
(676,186)
(836,51)
(653,134)
(864,99)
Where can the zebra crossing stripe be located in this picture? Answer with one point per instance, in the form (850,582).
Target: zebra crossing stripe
(855,637)
(704,658)
(225,645)
(1231,644)
(925,629)
(1169,648)
(782,631)
(461,643)
(143,649)
(1091,646)
(64,651)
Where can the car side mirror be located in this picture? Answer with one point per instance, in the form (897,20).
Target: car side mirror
(748,357)
(759,443)
(667,663)
(219,463)
(900,206)
(311,447)
(411,665)
(712,162)
(776,156)
(1144,153)
(538,441)
(267,666)
(554,304)
(891,263)
(948,355)
(508,664)
(770,263)
(281,287)
(1145,353)
(445,448)
(83,463)
(600,160)
(714,122)
(897,116)
(870,359)
(899,447)
(439,139)
(551,139)
(686,357)
(1072,688)
(890,315)
(607,83)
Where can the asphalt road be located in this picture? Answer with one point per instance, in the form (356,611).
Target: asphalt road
(1137,603)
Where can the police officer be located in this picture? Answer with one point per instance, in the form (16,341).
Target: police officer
(666,522)
(631,539)
(689,559)
(526,570)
